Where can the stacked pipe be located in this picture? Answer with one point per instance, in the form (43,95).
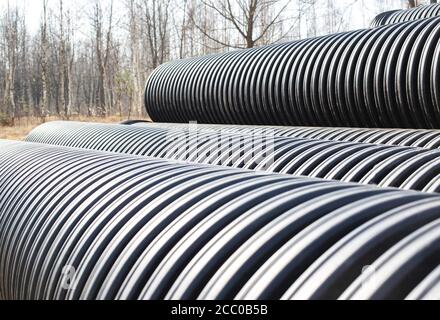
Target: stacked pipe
(136,228)
(396,16)
(386,166)
(171,211)
(383,77)
(429,139)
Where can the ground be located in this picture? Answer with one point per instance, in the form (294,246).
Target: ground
(24,125)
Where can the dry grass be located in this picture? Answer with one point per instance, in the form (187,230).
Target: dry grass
(24,125)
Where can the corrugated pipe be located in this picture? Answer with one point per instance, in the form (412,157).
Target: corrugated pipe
(78,224)
(386,77)
(387,166)
(396,16)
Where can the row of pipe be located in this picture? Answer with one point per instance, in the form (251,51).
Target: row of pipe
(385,166)
(78,224)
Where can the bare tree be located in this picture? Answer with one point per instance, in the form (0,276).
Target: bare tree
(63,62)
(98,25)
(70,58)
(43,62)
(109,51)
(156,19)
(183,30)
(102,47)
(11,42)
(244,16)
(26,69)
(123,80)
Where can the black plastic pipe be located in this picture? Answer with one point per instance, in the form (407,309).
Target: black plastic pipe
(81,224)
(388,166)
(396,16)
(384,77)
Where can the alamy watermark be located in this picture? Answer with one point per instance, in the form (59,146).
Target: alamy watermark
(221,146)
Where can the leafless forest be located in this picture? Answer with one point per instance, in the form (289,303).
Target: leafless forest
(92,59)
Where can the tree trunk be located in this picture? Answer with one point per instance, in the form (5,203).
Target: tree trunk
(44,78)
(63,64)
